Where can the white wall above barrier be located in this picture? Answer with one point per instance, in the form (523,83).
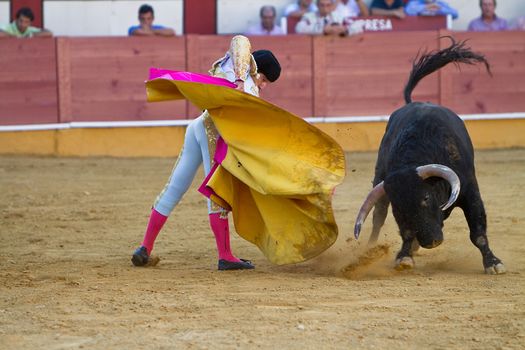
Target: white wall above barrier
(4,13)
(107,18)
(114,17)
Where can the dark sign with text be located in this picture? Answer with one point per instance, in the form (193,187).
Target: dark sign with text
(381,24)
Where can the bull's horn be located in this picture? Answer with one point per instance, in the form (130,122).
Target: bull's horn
(375,194)
(429,170)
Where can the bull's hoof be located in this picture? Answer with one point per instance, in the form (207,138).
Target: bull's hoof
(405,263)
(497,269)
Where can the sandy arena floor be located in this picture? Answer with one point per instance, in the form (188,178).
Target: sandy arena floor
(69,226)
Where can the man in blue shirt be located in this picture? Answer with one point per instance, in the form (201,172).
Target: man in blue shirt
(430,8)
(146,27)
(488,22)
(392,8)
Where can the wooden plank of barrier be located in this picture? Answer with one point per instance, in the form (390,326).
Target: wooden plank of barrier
(319,44)
(446,81)
(28,81)
(471,90)
(101,79)
(193,51)
(203,50)
(366,74)
(108,74)
(293,90)
(65,113)
(206,49)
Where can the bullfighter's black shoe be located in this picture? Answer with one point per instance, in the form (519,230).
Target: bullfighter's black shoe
(140,257)
(232,265)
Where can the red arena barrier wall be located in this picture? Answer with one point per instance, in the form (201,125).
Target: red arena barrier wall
(471,90)
(66,79)
(28,81)
(103,78)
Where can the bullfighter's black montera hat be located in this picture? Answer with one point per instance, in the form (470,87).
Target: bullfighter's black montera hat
(267,64)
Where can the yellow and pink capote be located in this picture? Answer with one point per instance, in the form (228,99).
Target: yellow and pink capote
(277,172)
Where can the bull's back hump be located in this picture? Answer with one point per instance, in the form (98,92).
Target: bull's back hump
(424,112)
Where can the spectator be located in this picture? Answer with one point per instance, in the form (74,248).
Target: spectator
(267,25)
(430,8)
(390,8)
(352,8)
(299,8)
(325,21)
(146,27)
(21,26)
(488,22)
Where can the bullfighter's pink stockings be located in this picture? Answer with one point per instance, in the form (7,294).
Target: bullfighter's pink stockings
(221,230)
(156,221)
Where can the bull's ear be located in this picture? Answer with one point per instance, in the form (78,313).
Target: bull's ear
(444,172)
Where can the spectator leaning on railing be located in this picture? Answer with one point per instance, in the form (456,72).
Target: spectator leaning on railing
(325,21)
(299,8)
(488,22)
(430,8)
(390,8)
(21,26)
(267,25)
(146,26)
(352,8)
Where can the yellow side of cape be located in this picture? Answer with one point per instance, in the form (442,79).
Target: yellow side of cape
(279,172)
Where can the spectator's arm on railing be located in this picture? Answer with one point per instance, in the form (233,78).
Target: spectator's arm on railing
(399,12)
(363,9)
(447,10)
(43,33)
(164,32)
(415,8)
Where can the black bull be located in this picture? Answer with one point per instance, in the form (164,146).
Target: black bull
(425,168)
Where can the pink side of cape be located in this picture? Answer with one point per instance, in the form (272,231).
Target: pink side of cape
(155,73)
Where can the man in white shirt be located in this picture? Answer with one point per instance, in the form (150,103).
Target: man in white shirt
(299,8)
(325,21)
(352,8)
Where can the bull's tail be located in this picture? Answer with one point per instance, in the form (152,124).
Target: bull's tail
(432,61)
